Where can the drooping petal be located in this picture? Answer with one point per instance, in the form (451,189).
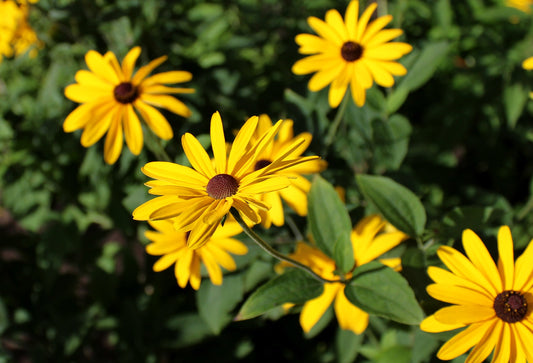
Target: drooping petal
(167,102)
(114,140)
(313,310)
(95,130)
(155,120)
(133,130)
(463,341)
(183,268)
(213,269)
(485,346)
(503,346)
(349,316)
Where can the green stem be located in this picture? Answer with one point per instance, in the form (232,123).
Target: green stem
(266,247)
(154,144)
(337,121)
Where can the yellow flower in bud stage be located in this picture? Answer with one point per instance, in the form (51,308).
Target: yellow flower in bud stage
(371,238)
(296,194)
(199,197)
(350,52)
(523,5)
(493,302)
(110,94)
(171,245)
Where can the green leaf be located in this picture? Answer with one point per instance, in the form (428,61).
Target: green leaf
(395,202)
(422,70)
(215,303)
(294,286)
(515,97)
(328,220)
(343,252)
(379,290)
(347,345)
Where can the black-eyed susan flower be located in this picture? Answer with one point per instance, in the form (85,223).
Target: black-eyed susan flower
(294,195)
(371,238)
(523,5)
(491,301)
(199,197)
(111,95)
(171,245)
(350,52)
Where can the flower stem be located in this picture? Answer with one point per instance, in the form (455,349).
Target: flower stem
(267,248)
(154,144)
(337,121)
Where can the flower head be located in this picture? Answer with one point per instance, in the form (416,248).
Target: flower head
(199,197)
(352,52)
(371,238)
(493,301)
(110,94)
(171,245)
(16,34)
(295,195)
(528,65)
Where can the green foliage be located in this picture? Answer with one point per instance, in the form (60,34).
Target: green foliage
(395,202)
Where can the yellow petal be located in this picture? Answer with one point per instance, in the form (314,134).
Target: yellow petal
(313,310)
(463,341)
(316,62)
(432,325)
(193,212)
(503,347)
(79,118)
(358,93)
(221,257)
(524,270)
(458,295)
(143,212)
(388,51)
(464,314)
(482,260)
(296,198)
(373,28)
(326,75)
(183,268)
(197,156)
(145,70)
(174,173)
(86,78)
(216,215)
(170,210)
(380,75)
(383,36)
(230,245)
(155,120)
(167,78)
(265,186)
(128,63)
(245,211)
(349,316)
(241,144)
(335,21)
(381,244)
(98,65)
(506,260)
(133,131)
(200,234)
(195,279)
(324,30)
(337,90)
(111,58)
(159,89)
(114,141)
(525,340)
(167,102)
(276,209)
(95,130)
(218,143)
(363,21)
(445,277)
(485,346)
(460,265)
(310,44)
(213,269)
(351,17)
(83,94)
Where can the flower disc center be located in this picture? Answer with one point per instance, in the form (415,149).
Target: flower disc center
(510,306)
(125,92)
(222,186)
(351,51)
(263,163)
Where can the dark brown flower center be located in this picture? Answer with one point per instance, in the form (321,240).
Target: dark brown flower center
(222,186)
(125,92)
(510,306)
(263,163)
(351,51)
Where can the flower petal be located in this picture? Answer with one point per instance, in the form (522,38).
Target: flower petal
(313,310)
(458,295)
(506,260)
(463,341)
(128,63)
(145,70)
(218,143)
(102,68)
(155,120)
(170,77)
(133,131)
(432,325)
(197,155)
(349,316)
(114,139)
(464,314)
(167,102)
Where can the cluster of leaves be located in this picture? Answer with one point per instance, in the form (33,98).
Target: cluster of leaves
(448,148)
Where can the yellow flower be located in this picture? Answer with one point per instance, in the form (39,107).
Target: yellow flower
(369,241)
(16,35)
(110,94)
(172,246)
(492,301)
(528,65)
(296,194)
(523,5)
(350,52)
(201,196)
